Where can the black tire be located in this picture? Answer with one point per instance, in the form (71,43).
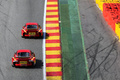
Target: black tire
(40,34)
(33,64)
(13,65)
(23,35)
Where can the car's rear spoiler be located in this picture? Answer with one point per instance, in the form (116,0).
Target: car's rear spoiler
(22,57)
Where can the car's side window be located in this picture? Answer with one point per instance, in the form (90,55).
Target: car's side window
(39,26)
(24,26)
(31,53)
(15,55)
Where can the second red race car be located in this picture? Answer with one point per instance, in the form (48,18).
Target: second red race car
(24,57)
(32,29)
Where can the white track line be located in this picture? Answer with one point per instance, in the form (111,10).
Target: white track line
(44,36)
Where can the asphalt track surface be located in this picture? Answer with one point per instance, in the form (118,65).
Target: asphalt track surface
(13,15)
(102,46)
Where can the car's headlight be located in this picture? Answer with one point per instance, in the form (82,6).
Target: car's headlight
(30,60)
(15,61)
(24,31)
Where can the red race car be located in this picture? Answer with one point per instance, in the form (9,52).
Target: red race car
(23,57)
(32,30)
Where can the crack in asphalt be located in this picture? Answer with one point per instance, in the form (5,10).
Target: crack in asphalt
(90,7)
(1,72)
(4,13)
(94,57)
(5,25)
(106,69)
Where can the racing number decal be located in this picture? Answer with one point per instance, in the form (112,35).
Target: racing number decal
(32,33)
(23,62)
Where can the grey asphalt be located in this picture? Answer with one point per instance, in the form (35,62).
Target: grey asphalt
(102,46)
(13,15)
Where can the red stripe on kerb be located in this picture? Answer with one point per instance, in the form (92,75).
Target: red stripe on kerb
(49,22)
(52,41)
(53,48)
(53,34)
(52,0)
(54,73)
(53,56)
(52,11)
(53,64)
(52,5)
(51,16)
(52,28)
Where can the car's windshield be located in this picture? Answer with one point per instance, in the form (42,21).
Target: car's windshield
(23,54)
(31,26)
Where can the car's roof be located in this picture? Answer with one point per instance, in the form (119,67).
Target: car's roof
(32,23)
(23,50)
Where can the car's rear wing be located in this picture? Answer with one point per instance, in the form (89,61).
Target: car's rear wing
(22,57)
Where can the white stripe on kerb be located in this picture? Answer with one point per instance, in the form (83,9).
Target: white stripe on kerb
(44,49)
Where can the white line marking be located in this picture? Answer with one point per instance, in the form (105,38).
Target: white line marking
(44,49)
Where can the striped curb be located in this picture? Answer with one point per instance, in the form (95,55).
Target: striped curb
(53,48)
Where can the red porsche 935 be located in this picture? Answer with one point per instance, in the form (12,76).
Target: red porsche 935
(32,30)
(24,57)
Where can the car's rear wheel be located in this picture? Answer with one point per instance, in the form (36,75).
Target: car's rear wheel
(23,35)
(33,64)
(41,35)
(13,65)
